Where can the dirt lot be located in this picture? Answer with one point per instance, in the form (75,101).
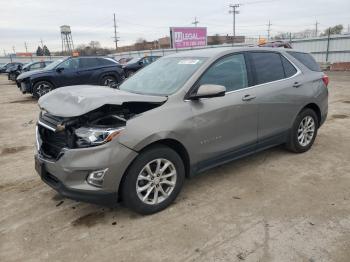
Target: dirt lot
(273,206)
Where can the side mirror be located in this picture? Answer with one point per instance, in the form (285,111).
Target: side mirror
(140,63)
(208,91)
(59,69)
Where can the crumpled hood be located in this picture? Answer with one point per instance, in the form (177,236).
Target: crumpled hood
(71,101)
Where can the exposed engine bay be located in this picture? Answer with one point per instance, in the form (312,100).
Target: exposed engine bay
(90,129)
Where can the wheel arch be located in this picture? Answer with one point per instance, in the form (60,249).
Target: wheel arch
(316,109)
(35,81)
(110,73)
(174,144)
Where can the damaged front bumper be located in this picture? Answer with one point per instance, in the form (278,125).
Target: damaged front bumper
(24,86)
(68,175)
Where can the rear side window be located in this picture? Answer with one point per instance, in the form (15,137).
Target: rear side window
(268,67)
(289,69)
(229,72)
(88,62)
(307,60)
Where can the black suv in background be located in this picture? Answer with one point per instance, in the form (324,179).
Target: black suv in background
(9,65)
(136,64)
(16,71)
(71,71)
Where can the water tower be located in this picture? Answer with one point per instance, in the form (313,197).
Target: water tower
(67,40)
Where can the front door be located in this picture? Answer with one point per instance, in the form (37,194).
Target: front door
(225,126)
(67,72)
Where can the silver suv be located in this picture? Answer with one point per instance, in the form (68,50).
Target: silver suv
(179,116)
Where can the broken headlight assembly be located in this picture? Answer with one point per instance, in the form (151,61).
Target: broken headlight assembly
(91,136)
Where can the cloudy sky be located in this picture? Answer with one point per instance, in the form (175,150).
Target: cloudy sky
(31,20)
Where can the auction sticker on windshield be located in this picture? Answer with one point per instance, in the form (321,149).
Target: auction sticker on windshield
(188,62)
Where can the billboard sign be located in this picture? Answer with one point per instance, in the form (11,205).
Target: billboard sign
(185,37)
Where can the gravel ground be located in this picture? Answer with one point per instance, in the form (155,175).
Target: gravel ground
(273,206)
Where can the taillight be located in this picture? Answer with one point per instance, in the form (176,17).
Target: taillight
(325,80)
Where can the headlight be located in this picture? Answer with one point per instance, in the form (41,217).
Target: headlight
(90,136)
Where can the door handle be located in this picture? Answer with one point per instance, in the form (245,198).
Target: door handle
(248,97)
(296,84)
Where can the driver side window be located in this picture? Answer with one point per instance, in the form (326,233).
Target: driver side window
(70,64)
(229,72)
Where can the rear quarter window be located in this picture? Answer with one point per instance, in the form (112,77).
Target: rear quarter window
(289,69)
(107,61)
(268,67)
(307,60)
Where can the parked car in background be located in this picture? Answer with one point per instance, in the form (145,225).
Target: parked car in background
(185,113)
(14,72)
(71,71)
(277,43)
(124,60)
(8,65)
(136,64)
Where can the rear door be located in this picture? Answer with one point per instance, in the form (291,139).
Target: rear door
(276,80)
(225,126)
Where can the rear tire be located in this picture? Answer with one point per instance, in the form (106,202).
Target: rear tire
(41,88)
(303,132)
(153,180)
(110,81)
(129,73)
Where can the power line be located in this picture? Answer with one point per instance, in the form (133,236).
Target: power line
(234,11)
(195,22)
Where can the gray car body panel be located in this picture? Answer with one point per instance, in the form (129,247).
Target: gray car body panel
(212,131)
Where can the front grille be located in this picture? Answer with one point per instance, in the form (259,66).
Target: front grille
(52,141)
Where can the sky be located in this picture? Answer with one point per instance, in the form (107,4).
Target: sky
(90,20)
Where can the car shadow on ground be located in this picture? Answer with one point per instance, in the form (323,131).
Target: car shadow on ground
(89,215)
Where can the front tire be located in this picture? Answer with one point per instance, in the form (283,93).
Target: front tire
(153,181)
(304,131)
(41,88)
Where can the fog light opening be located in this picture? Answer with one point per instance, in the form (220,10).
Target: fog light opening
(95,178)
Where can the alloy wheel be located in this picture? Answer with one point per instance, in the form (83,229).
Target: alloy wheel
(109,82)
(306,131)
(43,89)
(156,181)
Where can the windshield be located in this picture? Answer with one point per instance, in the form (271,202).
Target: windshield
(163,77)
(54,64)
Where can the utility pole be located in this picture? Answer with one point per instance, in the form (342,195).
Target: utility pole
(234,12)
(14,50)
(4,52)
(196,22)
(116,38)
(26,47)
(42,44)
(316,28)
(268,30)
